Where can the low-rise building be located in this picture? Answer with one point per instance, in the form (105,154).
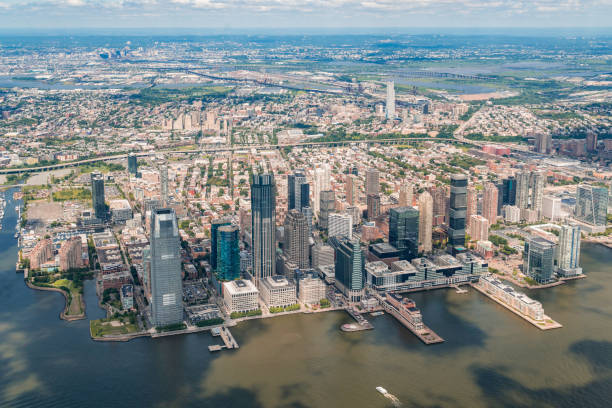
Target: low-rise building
(127,297)
(277,291)
(517,300)
(240,296)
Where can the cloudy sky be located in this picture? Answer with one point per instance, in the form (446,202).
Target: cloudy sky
(233,14)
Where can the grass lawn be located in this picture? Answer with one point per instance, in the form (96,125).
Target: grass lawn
(74,300)
(111,326)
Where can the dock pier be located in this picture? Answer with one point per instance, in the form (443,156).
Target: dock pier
(362,323)
(228,340)
(426,335)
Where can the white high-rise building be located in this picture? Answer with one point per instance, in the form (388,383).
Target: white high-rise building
(425,221)
(406,195)
(390,107)
(340,224)
(568,252)
(537,192)
(479,228)
(321,183)
(551,207)
(512,213)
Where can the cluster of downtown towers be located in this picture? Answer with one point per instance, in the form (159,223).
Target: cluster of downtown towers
(166,282)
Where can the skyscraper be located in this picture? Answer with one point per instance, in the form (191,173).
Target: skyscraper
(327,206)
(405,195)
(425,221)
(296,239)
(263,221)
(543,143)
(228,253)
(509,191)
(372,181)
(404,231)
(472,203)
(298,191)
(352,190)
(568,252)
(592,204)
(373,202)
(340,225)
(214,228)
(479,228)
(591,142)
(163,178)
(390,105)
(458,209)
(522,190)
(440,208)
(321,183)
(489,204)
(166,282)
(349,267)
(97,195)
(132,164)
(537,192)
(538,259)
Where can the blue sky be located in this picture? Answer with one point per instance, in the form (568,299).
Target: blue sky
(232,14)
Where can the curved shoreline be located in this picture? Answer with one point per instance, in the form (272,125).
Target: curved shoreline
(63,314)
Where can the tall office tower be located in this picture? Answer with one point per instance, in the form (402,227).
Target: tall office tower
(373,202)
(163,177)
(321,183)
(425,221)
(340,225)
(166,282)
(349,267)
(296,239)
(228,253)
(390,106)
(591,142)
(439,204)
(472,203)
(298,191)
(543,143)
(405,195)
(97,195)
(538,259)
(509,191)
(308,214)
(537,192)
(322,255)
(132,164)
(372,181)
(458,209)
(327,206)
(214,228)
(263,222)
(489,203)
(592,205)
(479,228)
(404,231)
(568,252)
(351,189)
(522,190)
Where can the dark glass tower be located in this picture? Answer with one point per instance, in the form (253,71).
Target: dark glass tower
(404,231)
(349,267)
(166,281)
(214,228)
(263,221)
(457,213)
(132,164)
(228,253)
(509,191)
(298,191)
(97,195)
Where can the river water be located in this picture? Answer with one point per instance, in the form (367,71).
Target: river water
(490,357)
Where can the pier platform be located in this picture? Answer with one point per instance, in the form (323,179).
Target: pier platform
(426,335)
(545,324)
(362,323)
(228,340)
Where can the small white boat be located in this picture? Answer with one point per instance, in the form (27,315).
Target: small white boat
(382,390)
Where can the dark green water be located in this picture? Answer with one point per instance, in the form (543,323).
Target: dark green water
(490,357)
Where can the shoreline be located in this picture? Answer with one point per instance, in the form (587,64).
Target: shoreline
(63,315)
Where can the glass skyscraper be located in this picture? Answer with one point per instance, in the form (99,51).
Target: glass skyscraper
(228,253)
(592,205)
(404,231)
(214,228)
(263,221)
(538,259)
(166,282)
(457,213)
(349,268)
(298,191)
(97,195)
(509,191)
(132,164)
